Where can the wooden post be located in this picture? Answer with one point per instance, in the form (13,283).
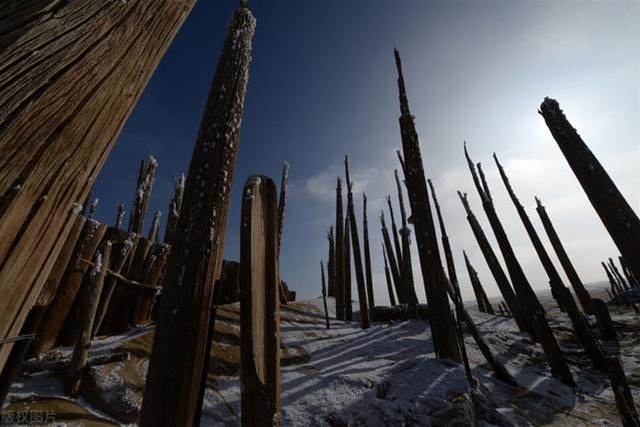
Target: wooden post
(612,208)
(576,283)
(554,278)
(511,300)
(339,264)
(367,253)
(395,271)
(82,93)
(627,273)
(441,318)
(93,207)
(174,209)
(324,295)
(398,248)
(605,324)
(155,227)
(59,308)
(387,277)
(348,302)
(506,309)
(120,216)
(88,312)
(622,393)
(406,271)
(259,306)
(281,207)
(178,355)
(617,274)
(357,256)
(477,286)
(331,265)
(146,176)
(615,287)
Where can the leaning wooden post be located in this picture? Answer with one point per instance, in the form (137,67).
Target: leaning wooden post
(622,393)
(395,270)
(357,256)
(155,227)
(177,360)
(406,269)
(554,278)
(120,216)
(339,264)
(617,274)
(82,93)
(174,209)
(615,287)
(324,295)
(367,253)
(86,318)
(567,265)
(348,302)
(441,318)
(146,176)
(331,264)
(282,203)
(387,276)
(511,300)
(396,245)
(627,273)
(473,278)
(259,305)
(603,319)
(620,220)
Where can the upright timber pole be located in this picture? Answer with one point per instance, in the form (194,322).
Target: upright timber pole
(620,220)
(441,319)
(396,245)
(348,303)
(172,389)
(259,305)
(567,265)
(324,295)
(405,235)
(146,176)
(367,253)
(481,297)
(62,111)
(387,276)
(554,277)
(393,263)
(282,203)
(331,264)
(339,265)
(357,256)
(174,209)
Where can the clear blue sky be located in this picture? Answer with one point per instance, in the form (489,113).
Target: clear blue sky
(322,84)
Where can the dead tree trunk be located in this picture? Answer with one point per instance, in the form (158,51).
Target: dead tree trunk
(395,272)
(89,307)
(519,314)
(367,253)
(174,209)
(481,299)
(387,277)
(622,393)
(144,186)
(614,211)
(357,256)
(331,264)
(259,306)
(324,295)
(348,302)
(441,318)
(567,265)
(405,260)
(93,61)
(340,261)
(554,278)
(177,359)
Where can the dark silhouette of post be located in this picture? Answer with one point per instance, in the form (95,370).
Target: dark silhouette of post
(172,390)
(387,276)
(620,220)
(324,295)
(348,302)
(367,253)
(331,264)
(393,263)
(146,177)
(174,209)
(481,298)
(441,319)
(340,255)
(576,283)
(397,247)
(120,216)
(405,235)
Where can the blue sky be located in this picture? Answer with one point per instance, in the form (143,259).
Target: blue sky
(322,84)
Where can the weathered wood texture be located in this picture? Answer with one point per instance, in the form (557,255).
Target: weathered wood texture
(387,276)
(367,253)
(576,283)
(441,318)
(618,217)
(71,73)
(339,264)
(91,296)
(405,237)
(324,295)
(357,255)
(174,209)
(194,266)
(259,306)
(146,177)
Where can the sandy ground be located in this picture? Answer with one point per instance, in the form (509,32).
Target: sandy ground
(386,375)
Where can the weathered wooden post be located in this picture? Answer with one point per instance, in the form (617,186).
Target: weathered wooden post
(387,276)
(282,203)
(144,186)
(396,244)
(367,253)
(603,318)
(331,264)
(617,274)
(155,227)
(174,209)
(406,271)
(615,287)
(554,278)
(86,318)
(481,298)
(395,271)
(324,295)
(348,302)
(83,92)
(520,315)
(357,256)
(622,393)
(506,309)
(259,305)
(610,205)
(340,261)
(567,265)
(627,273)
(441,318)
(120,216)
(177,360)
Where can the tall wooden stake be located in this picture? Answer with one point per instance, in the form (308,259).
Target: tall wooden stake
(396,245)
(146,177)
(324,295)
(405,234)
(340,255)
(367,253)
(441,318)
(567,265)
(177,360)
(259,305)
(395,271)
(614,211)
(155,227)
(481,298)
(387,276)
(120,216)
(331,265)
(174,209)
(282,203)
(348,301)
